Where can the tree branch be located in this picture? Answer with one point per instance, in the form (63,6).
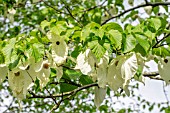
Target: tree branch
(86,10)
(9,106)
(153,75)
(137,7)
(58,11)
(65,94)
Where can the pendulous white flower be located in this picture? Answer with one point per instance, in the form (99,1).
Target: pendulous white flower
(86,62)
(114,78)
(101,69)
(121,70)
(59,69)
(3,72)
(59,48)
(129,67)
(43,72)
(164,69)
(100,94)
(19,82)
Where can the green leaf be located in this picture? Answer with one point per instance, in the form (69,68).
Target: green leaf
(37,51)
(116,38)
(90,28)
(119,2)
(65,87)
(59,27)
(97,48)
(75,75)
(168,40)
(154,24)
(128,43)
(151,107)
(2,58)
(76,51)
(140,49)
(156,9)
(84,80)
(161,51)
(143,41)
(166,8)
(44,24)
(97,17)
(133,15)
(14,63)
(112,25)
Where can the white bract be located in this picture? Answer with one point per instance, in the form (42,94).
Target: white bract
(129,68)
(114,78)
(59,48)
(43,72)
(19,82)
(12,11)
(22,78)
(100,94)
(86,62)
(121,70)
(164,69)
(141,64)
(102,71)
(59,69)
(3,72)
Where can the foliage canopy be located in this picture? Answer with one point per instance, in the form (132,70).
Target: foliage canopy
(58,53)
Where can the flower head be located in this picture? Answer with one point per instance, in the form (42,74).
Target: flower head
(59,48)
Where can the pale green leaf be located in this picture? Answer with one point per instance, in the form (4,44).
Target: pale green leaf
(90,28)
(44,24)
(116,38)
(97,49)
(128,43)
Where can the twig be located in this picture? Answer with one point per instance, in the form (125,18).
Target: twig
(86,10)
(149,74)
(146,1)
(51,96)
(168,104)
(58,11)
(155,46)
(139,6)
(8,106)
(67,93)
(72,83)
(95,6)
(68,9)
(153,75)
(57,105)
